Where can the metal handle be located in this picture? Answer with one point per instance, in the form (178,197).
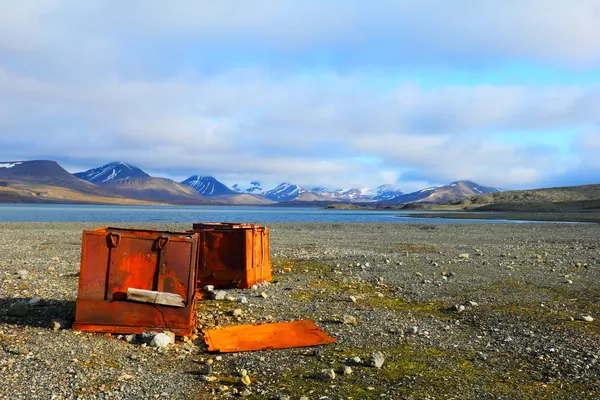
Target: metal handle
(115,239)
(161,242)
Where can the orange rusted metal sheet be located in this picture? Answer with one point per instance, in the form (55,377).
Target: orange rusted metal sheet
(232,254)
(281,335)
(114,260)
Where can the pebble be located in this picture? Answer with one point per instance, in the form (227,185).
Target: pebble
(458,308)
(237,312)
(246,380)
(161,340)
(58,324)
(254,287)
(208,378)
(350,320)
(587,318)
(205,370)
(246,393)
(209,288)
(473,304)
(129,338)
(352,299)
(243,373)
(22,274)
(412,330)
(377,360)
(264,295)
(17,309)
(327,374)
(356,360)
(220,295)
(242,300)
(347,370)
(464,256)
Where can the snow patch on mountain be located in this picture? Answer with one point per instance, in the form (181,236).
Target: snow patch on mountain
(207,186)
(285,192)
(110,172)
(9,165)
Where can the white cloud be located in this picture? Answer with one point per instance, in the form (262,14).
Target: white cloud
(94,81)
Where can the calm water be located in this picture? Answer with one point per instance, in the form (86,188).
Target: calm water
(165,214)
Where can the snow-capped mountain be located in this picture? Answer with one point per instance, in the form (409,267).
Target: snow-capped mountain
(343,194)
(253,187)
(385,192)
(453,191)
(111,172)
(207,186)
(285,192)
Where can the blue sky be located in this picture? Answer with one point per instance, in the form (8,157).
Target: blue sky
(339,93)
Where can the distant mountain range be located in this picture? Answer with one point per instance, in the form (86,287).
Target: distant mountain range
(42,180)
(453,191)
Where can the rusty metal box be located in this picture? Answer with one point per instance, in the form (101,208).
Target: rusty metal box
(114,260)
(232,254)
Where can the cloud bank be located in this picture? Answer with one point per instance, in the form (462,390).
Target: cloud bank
(340,94)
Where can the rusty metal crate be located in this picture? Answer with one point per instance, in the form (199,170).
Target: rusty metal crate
(232,254)
(114,260)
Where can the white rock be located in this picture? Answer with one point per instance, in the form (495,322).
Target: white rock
(161,340)
(328,374)
(220,295)
(352,299)
(587,318)
(356,360)
(209,288)
(464,256)
(347,370)
(377,360)
(242,300)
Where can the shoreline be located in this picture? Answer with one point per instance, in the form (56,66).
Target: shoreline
(565,217)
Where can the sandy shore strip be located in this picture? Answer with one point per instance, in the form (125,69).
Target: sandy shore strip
(470,311)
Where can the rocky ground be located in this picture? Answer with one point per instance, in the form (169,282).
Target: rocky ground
(457,311)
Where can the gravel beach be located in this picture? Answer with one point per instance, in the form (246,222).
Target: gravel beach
(446,311)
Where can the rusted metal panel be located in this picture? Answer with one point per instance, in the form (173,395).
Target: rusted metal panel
(232,254)
(281,335)
(114,260)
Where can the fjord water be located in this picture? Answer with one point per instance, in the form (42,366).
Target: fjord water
(174,214)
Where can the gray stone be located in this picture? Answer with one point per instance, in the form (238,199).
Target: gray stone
(129,338)
(205,370)
(356,360)
(412,330)
(161,340)
(17,309)
(209,288)
(242,300)
(34,301)
(220,295)
(377,359)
